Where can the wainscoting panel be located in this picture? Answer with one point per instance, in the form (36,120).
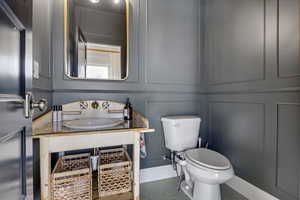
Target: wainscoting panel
(42,48)
(238,131)
(171,42)
(260,134)
(235,41)
(42,43)
(288,149)
(288,38)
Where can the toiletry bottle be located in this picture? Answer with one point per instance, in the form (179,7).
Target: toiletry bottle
(128,110)
(54,113)
(59,113)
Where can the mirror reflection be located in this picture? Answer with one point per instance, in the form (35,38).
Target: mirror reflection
(96,39)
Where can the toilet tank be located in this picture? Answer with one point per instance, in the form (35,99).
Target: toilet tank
(181,132)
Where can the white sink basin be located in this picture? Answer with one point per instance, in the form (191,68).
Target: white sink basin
(93,123)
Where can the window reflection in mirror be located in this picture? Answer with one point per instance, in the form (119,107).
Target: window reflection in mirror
(96,39)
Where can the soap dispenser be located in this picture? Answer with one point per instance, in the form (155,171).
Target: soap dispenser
(128,110)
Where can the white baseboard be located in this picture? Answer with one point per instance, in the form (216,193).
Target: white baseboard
(246,189)
(157,173)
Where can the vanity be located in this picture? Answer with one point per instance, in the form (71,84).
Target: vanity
(74,133)
(96,48)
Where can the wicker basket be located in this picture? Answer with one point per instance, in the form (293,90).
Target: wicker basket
(72,178)
(114,172)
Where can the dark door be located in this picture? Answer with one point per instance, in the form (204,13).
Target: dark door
(15,85)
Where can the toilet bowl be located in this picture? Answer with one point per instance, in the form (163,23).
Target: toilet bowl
(204,171)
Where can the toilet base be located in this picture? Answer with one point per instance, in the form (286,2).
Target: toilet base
(187,189)
(202,191)
(206,192)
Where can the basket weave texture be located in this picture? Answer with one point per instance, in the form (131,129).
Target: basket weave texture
(71,178)
(114,172)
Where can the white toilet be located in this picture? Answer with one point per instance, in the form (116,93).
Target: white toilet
(204,170)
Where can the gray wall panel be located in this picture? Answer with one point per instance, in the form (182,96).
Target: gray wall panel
(235,37)
(288,149)
(280,45)
(172,42)
(238,131)
(42,42)
(260,135)
(42,50)
(289,38)
(236,92)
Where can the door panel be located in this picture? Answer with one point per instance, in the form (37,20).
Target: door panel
(10,56)
(15,81)
(29,163)
(10,166)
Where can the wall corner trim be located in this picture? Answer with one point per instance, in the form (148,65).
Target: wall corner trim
(238,184)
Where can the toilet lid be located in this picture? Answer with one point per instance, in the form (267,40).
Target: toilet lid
(208,158)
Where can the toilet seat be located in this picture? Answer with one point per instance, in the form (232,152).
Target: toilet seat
(207,158)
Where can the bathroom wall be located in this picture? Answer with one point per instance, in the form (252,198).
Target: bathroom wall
(164,67)
(42,55)
(252,77)
(42,52)
(233,62)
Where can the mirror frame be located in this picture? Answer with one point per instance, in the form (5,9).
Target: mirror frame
(66,45)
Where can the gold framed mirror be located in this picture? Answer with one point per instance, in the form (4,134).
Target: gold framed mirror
(96,34)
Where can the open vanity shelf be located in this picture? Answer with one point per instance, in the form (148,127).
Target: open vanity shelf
(55,138)
(73,175)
